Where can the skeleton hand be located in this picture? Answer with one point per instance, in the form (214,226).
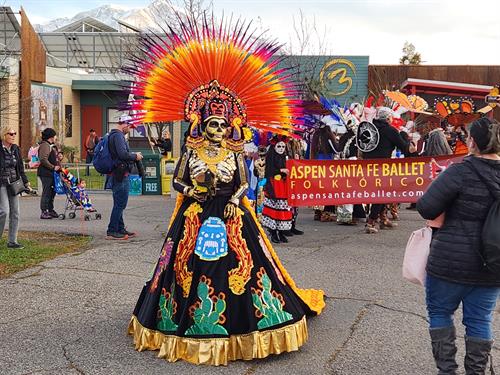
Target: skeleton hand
(198,167)
(196,194)
(230,210)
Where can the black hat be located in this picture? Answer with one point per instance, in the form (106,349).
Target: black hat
(48,133)
(480,131)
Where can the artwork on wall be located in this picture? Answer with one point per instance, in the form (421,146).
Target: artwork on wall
(46,110)
(68,120)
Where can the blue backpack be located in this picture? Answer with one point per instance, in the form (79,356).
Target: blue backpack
(103,160)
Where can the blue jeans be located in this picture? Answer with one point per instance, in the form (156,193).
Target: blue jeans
(9,206)
(478,304)
(120,200)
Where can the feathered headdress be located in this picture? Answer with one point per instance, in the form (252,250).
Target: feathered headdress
(222,71)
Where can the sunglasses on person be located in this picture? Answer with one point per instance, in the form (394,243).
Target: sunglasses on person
(12,134)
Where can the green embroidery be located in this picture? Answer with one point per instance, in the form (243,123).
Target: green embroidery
(268,303)
(168,308)
(208,312)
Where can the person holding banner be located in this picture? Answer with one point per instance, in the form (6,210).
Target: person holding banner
(324,146)
(277,215)
(388,139)
(456,269)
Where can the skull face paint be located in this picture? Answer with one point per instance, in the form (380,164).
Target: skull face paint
(280,148)
(215,129)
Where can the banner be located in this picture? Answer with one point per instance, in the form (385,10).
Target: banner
(337,182)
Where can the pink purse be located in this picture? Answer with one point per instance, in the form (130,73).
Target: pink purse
(416,254)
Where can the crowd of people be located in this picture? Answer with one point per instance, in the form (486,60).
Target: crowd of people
(219,291)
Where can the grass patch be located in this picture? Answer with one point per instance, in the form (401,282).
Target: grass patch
(94,182)
(38,247)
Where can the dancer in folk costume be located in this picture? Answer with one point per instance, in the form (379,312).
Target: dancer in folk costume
(277,215)
(218,292)
(323,147)
(346,119)
(259,170)
(295,149)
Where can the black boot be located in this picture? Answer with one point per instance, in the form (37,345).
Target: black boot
(288,233)
(296,231)
(477,352)
(274,236)
(282,237)
(444,350)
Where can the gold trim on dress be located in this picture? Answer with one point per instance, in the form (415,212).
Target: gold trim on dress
(238,277)
(219,351)
(186,247)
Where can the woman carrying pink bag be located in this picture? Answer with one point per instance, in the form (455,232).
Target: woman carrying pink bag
(456,271)
(417,251)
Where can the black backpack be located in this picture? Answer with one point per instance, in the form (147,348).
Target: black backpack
(490,251)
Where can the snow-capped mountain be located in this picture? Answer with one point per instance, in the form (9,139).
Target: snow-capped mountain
(141,18)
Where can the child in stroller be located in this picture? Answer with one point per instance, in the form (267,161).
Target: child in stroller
(77,196)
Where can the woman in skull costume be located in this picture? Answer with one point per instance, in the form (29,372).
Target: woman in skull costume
(277,215)
(218,291)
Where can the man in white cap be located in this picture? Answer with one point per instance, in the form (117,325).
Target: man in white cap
(119,178)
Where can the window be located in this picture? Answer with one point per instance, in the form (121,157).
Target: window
(68,120)
(113,117)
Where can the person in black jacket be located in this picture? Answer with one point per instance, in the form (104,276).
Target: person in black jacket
(119,179)
(464,192)
(47,152)
(164,143)
(389,139)
(11,169)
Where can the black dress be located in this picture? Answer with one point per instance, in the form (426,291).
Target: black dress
(219,292)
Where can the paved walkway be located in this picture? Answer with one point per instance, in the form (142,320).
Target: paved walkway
(69,315)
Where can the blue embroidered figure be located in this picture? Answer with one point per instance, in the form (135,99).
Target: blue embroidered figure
(211,243)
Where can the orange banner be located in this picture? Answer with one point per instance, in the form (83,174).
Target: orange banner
(336,182)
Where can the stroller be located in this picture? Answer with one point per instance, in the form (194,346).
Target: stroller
(74,199)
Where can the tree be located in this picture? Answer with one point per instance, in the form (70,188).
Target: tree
(308,40)
(166,12)
(410,55)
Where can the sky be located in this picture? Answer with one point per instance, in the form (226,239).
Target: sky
(444,32)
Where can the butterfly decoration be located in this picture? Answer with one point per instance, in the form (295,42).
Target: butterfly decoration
(457,112)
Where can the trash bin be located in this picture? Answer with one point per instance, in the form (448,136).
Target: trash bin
(151,182)
(167,167)
(135,184)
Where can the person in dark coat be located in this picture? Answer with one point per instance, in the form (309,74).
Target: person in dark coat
(389,139)
(164,143)
(324,146)
(455,270)
(90,142)
(11,169)
(47,152)
(119,180)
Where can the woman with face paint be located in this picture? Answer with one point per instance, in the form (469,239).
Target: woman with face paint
(219,292)
(277,215)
